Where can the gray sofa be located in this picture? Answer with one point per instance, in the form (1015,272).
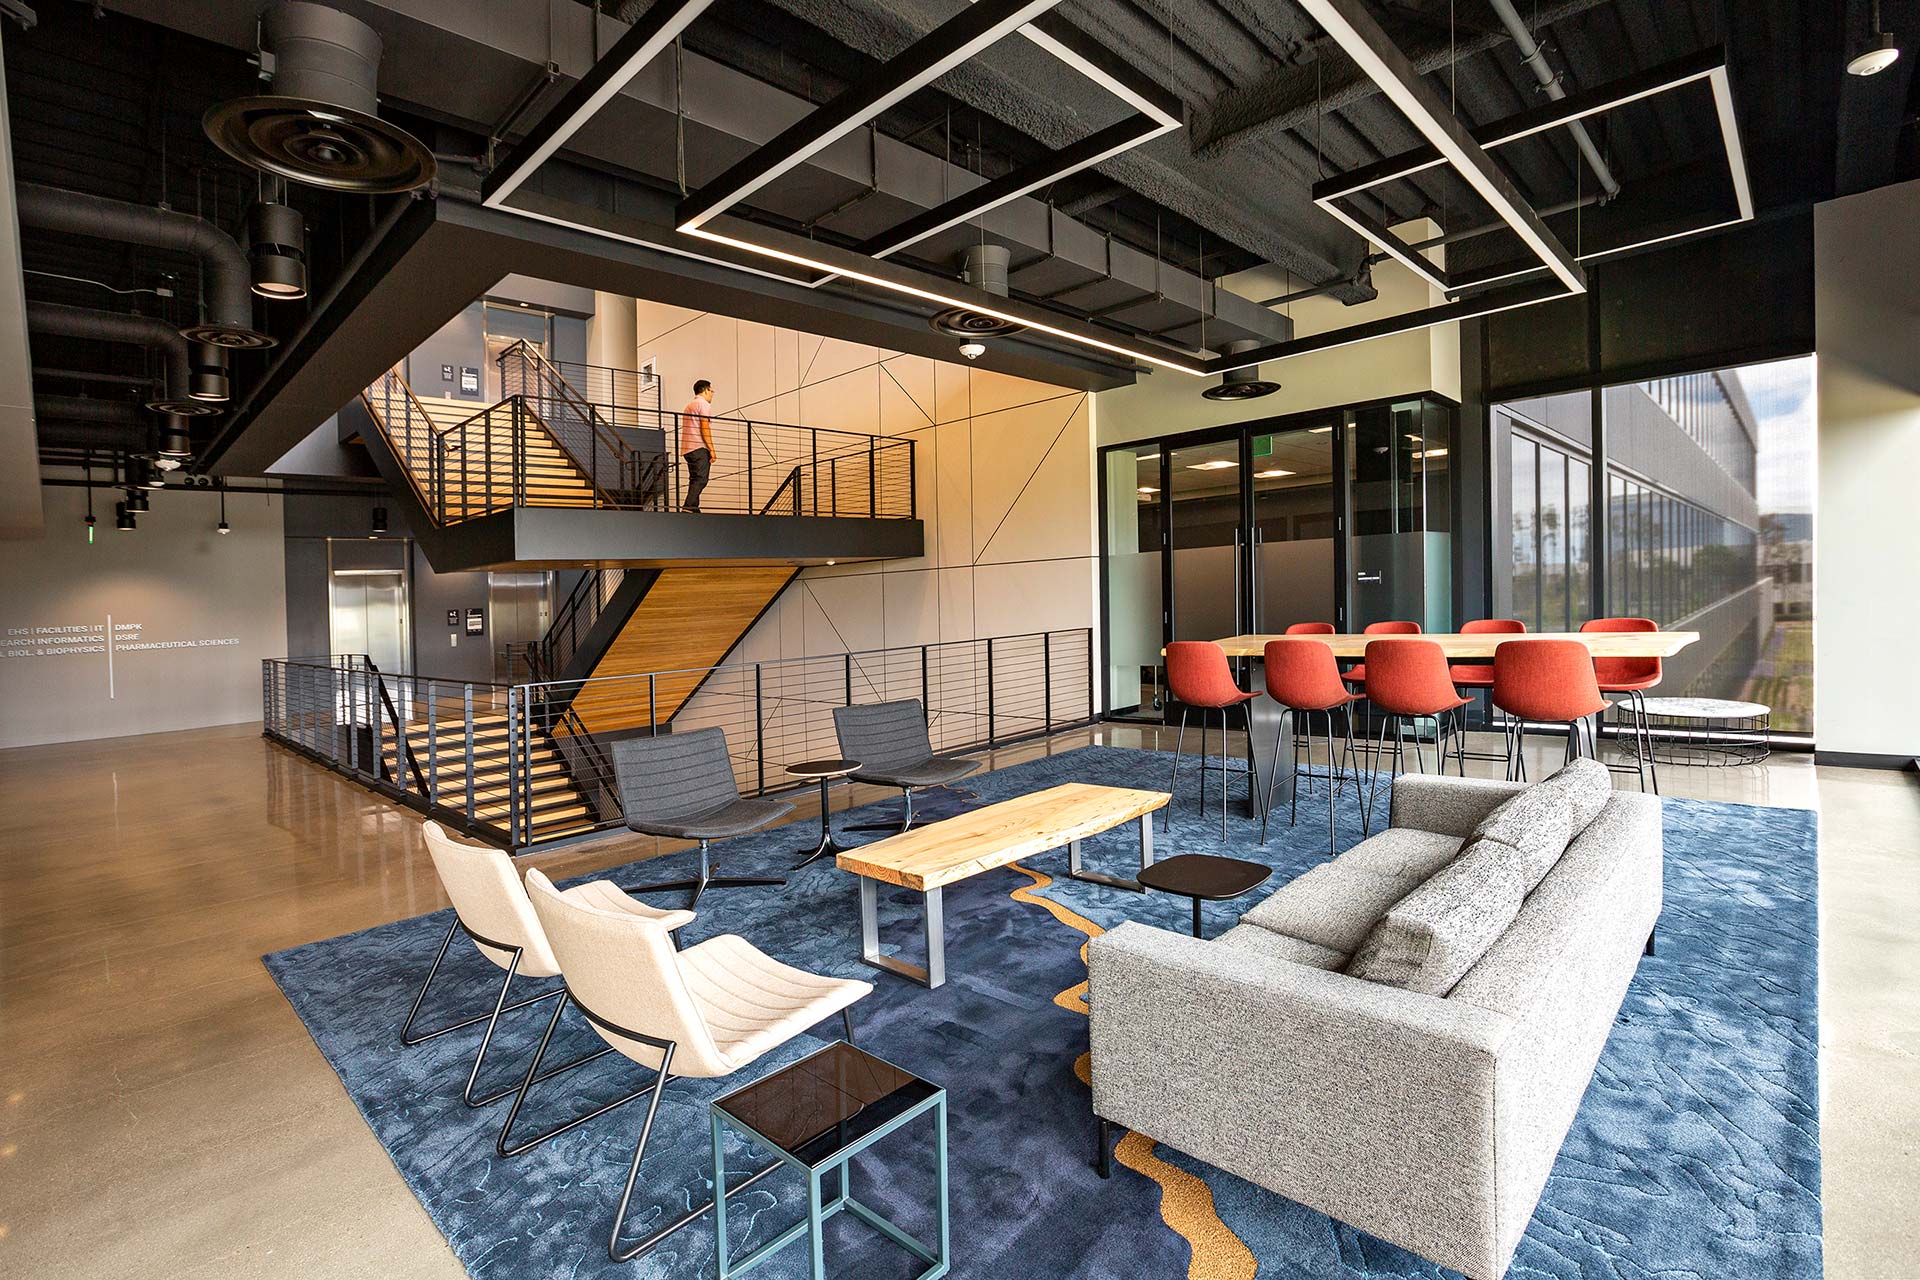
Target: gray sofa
(1429,1121)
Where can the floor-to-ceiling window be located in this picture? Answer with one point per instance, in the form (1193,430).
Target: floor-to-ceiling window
(1705,522)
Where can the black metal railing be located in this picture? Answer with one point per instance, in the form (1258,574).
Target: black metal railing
(575,617)
(547,445)
(529,765)
(438,745)
(977,693)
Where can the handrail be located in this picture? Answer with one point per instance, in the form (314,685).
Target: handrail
(603,434)
(791,482)
(400,451)
(393,716)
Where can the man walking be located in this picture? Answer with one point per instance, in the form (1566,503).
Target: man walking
(696,442)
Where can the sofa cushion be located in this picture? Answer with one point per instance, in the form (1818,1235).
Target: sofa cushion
(1331,906)
(1403,851)
(1537,824)
(1586,786)
(1429,939)
(1251,937)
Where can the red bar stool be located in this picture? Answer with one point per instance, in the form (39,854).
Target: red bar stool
(1471,677)
(1544,680)
(1357,675)
(1310,629)
(1198,676)
(1480,675)
(1408,680)
(1631,677)
(1304,677)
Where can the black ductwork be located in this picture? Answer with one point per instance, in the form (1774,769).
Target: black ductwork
(135,331)
(229,320)
(76,422)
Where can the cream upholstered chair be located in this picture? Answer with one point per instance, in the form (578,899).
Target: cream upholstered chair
(705,1012)
(490,905)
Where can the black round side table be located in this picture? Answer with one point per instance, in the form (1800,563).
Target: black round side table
(826,771)
(1204,877)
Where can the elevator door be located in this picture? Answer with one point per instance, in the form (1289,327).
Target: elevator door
(369,615)
(517,603)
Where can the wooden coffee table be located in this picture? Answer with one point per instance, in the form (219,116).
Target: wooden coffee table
(934,856)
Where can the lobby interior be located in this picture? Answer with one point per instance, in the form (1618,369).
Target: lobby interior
(1190,430)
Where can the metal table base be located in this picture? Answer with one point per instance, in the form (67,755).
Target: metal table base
(933,920)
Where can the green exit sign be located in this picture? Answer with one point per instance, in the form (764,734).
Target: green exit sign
(1263,446)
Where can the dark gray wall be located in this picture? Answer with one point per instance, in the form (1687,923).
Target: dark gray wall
(311,520)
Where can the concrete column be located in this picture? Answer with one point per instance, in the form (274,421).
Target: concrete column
(613,336)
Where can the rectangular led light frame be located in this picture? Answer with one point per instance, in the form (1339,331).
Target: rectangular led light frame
(1707,65)
(1156,112)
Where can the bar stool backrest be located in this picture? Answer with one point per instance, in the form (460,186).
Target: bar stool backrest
(1303,674)
(1197,674)
(484,887)
(623,969)
(1548,680)
(1409,677)
(1610,671)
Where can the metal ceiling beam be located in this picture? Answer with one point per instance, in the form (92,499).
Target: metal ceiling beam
(1291,95)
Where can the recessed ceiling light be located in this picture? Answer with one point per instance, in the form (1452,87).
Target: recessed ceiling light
(1218,464)
(1318,431)
(1147,488)
(1146,457)
(1429,453)
(1272,473)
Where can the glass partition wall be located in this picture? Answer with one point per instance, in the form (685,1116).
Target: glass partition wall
(1247,529)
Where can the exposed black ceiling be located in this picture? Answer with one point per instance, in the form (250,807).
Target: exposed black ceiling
(110,104)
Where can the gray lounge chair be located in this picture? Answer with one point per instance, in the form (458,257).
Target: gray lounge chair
(890,741)
(681,785)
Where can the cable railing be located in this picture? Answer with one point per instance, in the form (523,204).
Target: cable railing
(977,693)
(437,745)
(530,765)
(547,445)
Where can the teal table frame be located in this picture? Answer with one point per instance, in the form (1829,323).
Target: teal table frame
(817,1213)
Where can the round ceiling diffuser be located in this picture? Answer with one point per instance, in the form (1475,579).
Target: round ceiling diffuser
(1240,384)
(320,124)
(1241,389)
(963,322)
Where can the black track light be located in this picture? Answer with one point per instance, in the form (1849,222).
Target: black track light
(137,500)
(277,245)
(379,523)
(123,517)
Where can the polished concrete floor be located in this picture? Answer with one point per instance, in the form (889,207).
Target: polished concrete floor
(163,1112)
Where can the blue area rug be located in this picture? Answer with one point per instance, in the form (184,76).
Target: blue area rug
(1695,1154)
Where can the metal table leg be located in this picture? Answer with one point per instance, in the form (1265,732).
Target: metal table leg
(827,843)
(935,973)
(1076,872)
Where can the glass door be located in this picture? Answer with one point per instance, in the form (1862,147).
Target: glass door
(1207,539)
(1401,551)
(506,326)
(1296,539)
(1135,567)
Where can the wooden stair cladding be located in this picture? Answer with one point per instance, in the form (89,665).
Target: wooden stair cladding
(558,808)
(689,620)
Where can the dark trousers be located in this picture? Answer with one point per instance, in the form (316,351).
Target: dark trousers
(699,467)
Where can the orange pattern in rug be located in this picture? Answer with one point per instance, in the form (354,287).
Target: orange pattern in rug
(1186,1202)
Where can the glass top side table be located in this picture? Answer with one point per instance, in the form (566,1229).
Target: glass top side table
(816,1115)
(826,771)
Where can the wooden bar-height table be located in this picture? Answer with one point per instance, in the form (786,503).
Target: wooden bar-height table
(1270,720)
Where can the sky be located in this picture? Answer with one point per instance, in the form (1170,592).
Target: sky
(1782,397)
